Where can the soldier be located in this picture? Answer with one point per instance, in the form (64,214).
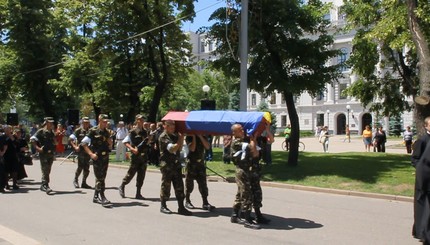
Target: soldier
(44,143)
(137,141)
(196,170)
(170,167)
(243,152)
(75,140)
(99,138)
(255,175)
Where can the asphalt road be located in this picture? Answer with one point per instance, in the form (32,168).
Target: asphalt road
(29,216)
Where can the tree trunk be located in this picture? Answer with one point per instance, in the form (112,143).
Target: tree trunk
(295,129)
(423,52)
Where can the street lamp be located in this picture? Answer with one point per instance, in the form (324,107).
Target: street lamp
(328,120)
(348,107)
(206,90)
(207,104)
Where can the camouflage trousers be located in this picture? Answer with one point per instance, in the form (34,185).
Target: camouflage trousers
(243,199)
(196,171)
(46,160)
(257,193)
(83,165)
(100,167)
(138,164)
(171,173)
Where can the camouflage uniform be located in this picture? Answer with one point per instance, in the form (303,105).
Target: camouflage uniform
(243,164)
(196,169)
(139,162)
(83,157)
(170,168)
(100,146)
(45,138)
(255,174)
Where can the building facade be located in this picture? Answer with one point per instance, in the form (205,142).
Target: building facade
(331,108)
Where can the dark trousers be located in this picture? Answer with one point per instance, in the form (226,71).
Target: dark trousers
(408,144)
(138,165)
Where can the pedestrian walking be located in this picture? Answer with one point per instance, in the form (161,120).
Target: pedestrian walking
(367,138)
(121,150)
(408,136)
(324,138)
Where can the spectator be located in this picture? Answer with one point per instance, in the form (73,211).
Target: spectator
(408,136)
(226,157)
(121,133)
(11,158)
(347,134)
(287,133)
(367,138)
(33,130)
(324,138)
(59,135)
(380,139)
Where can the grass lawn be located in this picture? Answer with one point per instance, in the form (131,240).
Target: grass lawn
(366,172)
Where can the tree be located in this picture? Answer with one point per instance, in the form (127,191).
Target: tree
(385,57)
(289,49)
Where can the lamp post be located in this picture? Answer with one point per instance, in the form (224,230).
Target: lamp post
(348,107)
(328,120)
(206,90)
(206,103)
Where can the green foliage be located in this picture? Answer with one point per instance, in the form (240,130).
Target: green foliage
(396,126)
(386,73)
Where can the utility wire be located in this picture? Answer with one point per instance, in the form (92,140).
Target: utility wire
(132,37)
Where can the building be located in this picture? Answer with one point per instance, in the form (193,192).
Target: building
(331,108)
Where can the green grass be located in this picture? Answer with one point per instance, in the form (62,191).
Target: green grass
(377,173)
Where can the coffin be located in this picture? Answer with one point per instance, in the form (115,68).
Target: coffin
(218,122)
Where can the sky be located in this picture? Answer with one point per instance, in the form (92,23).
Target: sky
(203,9)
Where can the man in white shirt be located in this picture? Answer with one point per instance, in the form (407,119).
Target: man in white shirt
(121,133)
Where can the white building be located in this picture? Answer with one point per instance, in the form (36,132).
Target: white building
(331,108)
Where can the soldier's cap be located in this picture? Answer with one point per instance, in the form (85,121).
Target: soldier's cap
(49,119)
(104,117)
(85,119)
(139,116)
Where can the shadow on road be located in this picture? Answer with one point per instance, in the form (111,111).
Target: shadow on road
(54,193)
(128,204)
(277,222)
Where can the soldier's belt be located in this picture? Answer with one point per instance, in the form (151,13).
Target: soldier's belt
(103,153)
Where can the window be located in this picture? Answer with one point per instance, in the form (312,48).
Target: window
(341,59)
(273,99)
(342,87)
(320,96)
(320,119)
(202,45)
(211,46)
(283,98)
(306,121)
(283,120)
(253,99)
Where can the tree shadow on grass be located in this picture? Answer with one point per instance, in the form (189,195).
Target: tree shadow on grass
(356,166)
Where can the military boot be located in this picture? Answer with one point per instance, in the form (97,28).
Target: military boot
(259,218)
(248,222)
(85,185)
(75,183)
(235,216)
(121,190)
(164,209)
(104,200)
(182,210)
(139,194)
(206,205)
(96,198)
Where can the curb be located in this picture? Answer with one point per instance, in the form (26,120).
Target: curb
(303,188)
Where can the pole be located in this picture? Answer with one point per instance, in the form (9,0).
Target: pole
(243,55)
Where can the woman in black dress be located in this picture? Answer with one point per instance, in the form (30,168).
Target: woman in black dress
(11,158)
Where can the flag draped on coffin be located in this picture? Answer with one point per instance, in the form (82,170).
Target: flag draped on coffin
(218,122)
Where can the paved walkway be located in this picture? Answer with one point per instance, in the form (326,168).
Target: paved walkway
(337,145)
